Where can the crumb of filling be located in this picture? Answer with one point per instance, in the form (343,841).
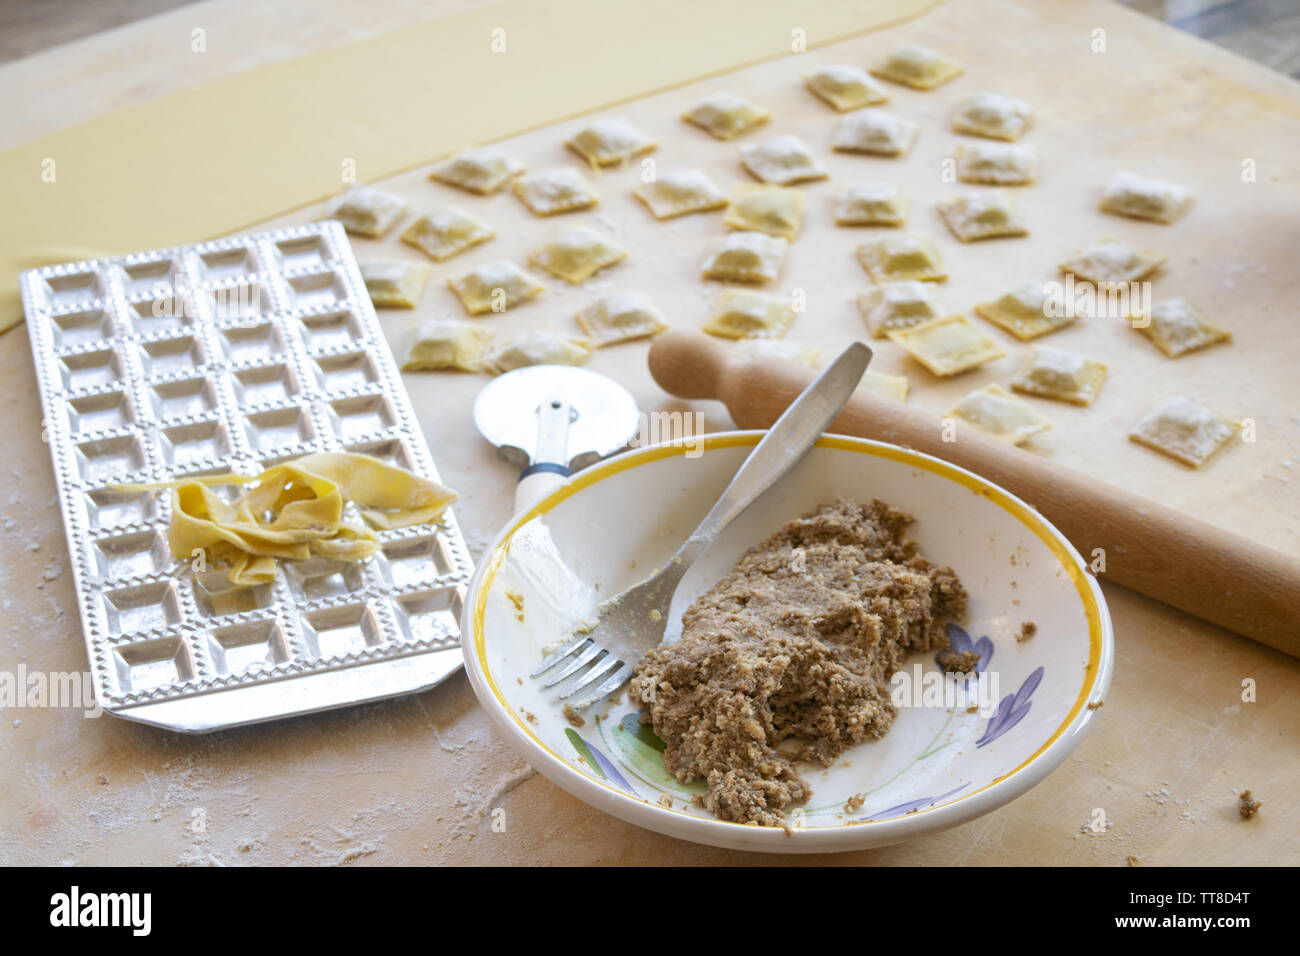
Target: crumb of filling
(573,717)
(1247,805)
(1027,630)
(788,658)
(954,663)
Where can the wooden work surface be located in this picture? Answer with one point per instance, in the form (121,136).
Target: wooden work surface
(413,780)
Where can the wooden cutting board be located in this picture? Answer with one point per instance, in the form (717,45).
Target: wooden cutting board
(406,781)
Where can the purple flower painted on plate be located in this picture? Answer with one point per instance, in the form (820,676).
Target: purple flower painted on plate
(1012,709)
(597,760)
(961,643)
(905,808)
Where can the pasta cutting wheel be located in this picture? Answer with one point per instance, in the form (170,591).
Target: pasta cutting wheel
(551,420)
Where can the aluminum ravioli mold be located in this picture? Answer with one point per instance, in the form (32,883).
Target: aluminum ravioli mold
(233,355)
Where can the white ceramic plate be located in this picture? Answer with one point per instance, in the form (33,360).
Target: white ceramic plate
(939,765)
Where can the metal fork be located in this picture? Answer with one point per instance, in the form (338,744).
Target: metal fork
(599,657)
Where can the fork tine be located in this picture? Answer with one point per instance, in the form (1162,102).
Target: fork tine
(612,684)
(580,661)
(559,654)
(602,669)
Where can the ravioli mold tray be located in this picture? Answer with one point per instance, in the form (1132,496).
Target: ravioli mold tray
(233,356)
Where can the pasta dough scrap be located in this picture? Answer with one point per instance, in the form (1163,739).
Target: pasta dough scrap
(870,204)
(446,232)
(750,349)
(448,343)
(540,347)
(555,191)
(746,257)
(610,142)
(992,115)
(394,283)
(1139,197)
(918,67)
(680,192)
(899,305)
(1112,263)
(1060,374)
(494,287)
(619,317)
(1178,327)
(997,413)
(783,160)
(1000,164)
(845,87)
(483,170)
(874,131)
(743,314)
(368,211)
(1184,429)
(295,510)
(1028,311)
(759,207)
(726,116)
(982,215)
(947,346)
(891,386)
(902,257)
(577,255)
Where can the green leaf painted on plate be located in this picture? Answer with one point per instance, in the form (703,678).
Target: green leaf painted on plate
(631,723)
(644,752)
(580,746)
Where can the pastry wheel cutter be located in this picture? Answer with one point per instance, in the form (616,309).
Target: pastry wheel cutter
(551,420)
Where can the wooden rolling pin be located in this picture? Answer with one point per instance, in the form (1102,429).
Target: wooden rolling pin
(1208,572)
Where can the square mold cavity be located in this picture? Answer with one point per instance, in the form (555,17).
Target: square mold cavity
(97,413)
(186,396)
(391,452)
(308,252)
(227,263)
(90,369)
(149,665)
(110,457)
(240,300)
(109,508)
(347,372)
(75,329)
(264,384)
(216,596)
(430,615)
(415,560)
(169,312)
(278,428)
(361,416)
(251,343)
(199,441)
(319,577)
(155,278)
(243,648)
(331,632)
(171,356)
(330,330)
(317,291)
(142,607)
(132,555)
(68,290)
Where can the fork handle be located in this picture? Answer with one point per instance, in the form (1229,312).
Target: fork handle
(1207,571)
(785,443)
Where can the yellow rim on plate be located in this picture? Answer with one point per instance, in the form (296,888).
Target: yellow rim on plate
(1025,515)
